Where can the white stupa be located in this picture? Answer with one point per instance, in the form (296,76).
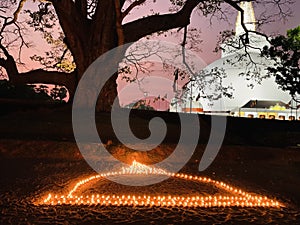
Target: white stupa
(233,65)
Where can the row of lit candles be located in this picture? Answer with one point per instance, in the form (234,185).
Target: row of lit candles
(132,200)
(135,168)
(243,199)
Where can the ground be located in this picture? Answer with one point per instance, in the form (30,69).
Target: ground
(35,162)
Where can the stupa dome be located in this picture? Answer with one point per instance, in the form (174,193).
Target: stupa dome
(244,88)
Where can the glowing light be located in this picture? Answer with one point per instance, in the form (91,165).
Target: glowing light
(139,168)
(236,197)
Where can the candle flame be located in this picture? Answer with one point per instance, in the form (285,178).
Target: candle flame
(238,197)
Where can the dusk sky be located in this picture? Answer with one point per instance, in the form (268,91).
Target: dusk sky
(209,29)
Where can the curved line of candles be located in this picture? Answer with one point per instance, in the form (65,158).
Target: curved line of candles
(239,198)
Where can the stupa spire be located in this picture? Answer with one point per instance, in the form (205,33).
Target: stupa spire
(249,18)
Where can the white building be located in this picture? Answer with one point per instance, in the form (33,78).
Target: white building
(244,89)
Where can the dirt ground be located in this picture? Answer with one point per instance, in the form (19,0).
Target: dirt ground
(35,160)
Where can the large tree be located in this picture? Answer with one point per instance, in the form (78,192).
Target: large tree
(93,27)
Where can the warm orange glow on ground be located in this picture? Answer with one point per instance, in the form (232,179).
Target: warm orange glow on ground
(235,197)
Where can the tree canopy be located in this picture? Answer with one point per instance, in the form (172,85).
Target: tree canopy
(89,28)
(285,50)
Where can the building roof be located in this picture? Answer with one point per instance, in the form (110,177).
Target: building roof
(264,104)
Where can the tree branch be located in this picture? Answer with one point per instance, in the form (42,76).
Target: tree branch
(183,50)
(119,23)
(74,26)
(70,16)
(45,77)
(81,6)
(102,25)
(37,76)
(16,13)
(122,2)
(238,8)
(6,53)
(135,30)
(131,7)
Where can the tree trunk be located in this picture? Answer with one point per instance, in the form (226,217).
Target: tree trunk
(108,95)
(87,41)
(89,38)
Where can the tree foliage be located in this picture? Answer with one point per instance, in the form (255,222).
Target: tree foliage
(32,92)
(285,51)
(141,104)
(89,28)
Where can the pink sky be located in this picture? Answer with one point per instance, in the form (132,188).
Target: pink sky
(210,30)
(209,34)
